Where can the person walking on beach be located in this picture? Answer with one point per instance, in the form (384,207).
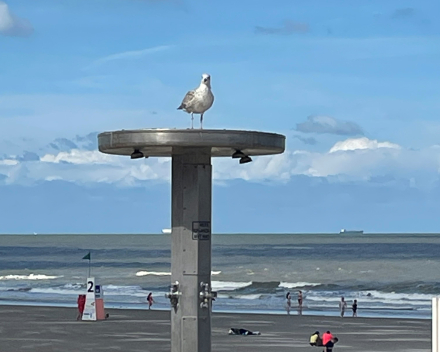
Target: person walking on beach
(289,303)
(150,300)
(342,306)
(354,308)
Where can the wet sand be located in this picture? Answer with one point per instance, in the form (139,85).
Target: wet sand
(46,329)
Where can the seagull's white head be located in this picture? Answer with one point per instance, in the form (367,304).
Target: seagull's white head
(206,79)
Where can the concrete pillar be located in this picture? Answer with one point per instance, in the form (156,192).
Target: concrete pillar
(191,151)
(191,248)
(435,324)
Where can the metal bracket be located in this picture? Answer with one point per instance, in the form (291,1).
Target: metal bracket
(174,295)
(206,295)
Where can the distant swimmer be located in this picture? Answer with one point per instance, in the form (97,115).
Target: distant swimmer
(289,302)
(354,308)
(342,306)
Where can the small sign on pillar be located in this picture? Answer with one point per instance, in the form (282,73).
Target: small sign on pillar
(201,230)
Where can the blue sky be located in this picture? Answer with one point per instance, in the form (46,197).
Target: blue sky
(354,86)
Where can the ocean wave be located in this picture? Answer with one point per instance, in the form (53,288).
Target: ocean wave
(292,247)
(432,288)
(254,296)
(247,295)
(75,289)
(29,277)
(155,273)
(260,287)
(57,291)
(393,296)
(122,288)
(228,295)
(165,273)
(298,284)
(77,285)
(16,289)
(228,285)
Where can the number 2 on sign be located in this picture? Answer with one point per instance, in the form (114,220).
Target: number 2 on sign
(90,287)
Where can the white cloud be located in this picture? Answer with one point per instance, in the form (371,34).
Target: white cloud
(85,166)
(359,160)
(12,25)
(274,168)
(8,162)
(361,143)
(134,54)
(76,156)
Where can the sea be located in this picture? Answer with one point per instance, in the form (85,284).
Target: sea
(390,275)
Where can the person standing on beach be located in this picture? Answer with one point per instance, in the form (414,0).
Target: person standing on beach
(342,306)
(354,307)
(288,298)
(300,299)
(81,303)
(150,300)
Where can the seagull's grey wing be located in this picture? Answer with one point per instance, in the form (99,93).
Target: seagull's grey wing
(187,100)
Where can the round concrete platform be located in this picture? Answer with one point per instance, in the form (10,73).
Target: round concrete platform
(166,142)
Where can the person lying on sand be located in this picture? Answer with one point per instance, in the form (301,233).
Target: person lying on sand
(234,331)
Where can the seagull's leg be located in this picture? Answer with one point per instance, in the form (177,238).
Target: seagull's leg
(192,121)
(201,121)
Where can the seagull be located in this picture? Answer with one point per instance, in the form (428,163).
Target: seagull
(199,100)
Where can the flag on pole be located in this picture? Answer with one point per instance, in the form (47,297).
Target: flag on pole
(88,256)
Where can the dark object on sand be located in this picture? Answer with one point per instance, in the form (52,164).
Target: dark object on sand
(234,331)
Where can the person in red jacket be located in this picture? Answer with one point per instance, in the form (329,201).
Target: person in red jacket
(81,303)
(326,337)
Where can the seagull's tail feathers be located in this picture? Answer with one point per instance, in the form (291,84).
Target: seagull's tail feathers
(181,107)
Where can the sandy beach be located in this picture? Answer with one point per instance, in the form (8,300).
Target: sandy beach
(55,329)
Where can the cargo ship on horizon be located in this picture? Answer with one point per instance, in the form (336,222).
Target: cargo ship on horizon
(351,232)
